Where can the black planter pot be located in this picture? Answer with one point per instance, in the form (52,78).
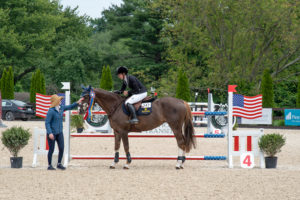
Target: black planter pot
(16,162)
(271,162)
(79,130)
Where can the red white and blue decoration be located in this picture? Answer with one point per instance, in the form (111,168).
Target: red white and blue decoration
(88,116)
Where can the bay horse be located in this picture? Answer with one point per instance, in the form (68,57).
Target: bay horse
(175,112)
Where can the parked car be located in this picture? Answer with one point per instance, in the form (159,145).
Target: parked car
(14,109)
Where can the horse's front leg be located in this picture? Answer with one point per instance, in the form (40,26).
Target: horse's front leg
(117,148)
(126,149)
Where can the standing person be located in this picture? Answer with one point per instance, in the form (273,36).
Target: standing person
(137,93)
(54,127)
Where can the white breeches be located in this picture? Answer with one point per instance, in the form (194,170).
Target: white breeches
(136,98)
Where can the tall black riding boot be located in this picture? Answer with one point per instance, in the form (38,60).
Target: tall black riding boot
(133,120)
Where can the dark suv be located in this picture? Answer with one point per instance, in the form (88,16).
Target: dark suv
(13,109)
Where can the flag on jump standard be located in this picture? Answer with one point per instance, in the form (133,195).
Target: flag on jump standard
(247,107)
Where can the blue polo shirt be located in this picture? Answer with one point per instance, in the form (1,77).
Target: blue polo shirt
(54,119)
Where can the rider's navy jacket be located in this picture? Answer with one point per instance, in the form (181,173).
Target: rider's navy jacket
(54,119)
(134,84)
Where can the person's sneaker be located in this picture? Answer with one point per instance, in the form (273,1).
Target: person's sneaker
(60,166)
(50,167)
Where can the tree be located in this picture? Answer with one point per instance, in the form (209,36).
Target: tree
(32,88)
(43,84)
(106,79)
(109,79)
(103,78)
(136,26)
(2,83)
(267,90)
(232,40)
(7,84)
(183,90)
(38,81)
(37,85)
(298,94)
(30,31)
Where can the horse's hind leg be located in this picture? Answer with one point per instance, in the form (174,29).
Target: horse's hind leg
(117,147)
(177,130)
(126,149)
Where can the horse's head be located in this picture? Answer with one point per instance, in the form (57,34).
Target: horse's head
(83,106)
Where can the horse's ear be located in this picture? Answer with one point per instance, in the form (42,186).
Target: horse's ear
(89,88)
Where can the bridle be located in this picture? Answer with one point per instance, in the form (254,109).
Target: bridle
(109,112)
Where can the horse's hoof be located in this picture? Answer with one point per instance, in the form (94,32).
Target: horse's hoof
(177,168)
(126,167)
(181,167)
(112,167)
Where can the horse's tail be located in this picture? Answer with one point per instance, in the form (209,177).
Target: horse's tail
(189,131)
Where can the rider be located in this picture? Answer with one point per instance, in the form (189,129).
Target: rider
(137,93)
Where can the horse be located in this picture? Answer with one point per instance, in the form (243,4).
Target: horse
(173,111)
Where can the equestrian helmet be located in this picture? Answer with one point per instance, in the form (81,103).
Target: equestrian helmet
(122,69)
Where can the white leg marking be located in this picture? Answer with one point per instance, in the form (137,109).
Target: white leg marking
(113,165)
(179,162)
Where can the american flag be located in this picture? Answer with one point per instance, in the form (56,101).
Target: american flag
(43,104)
(247,107)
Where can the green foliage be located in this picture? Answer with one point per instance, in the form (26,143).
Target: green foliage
(77,121)
(109,79)
(106,81)
(31,30)
(37,81)
(15,139)
(10,84)
(43,84)
(271,144)
(32,88)
(183,90)
(7,84)
(298,94)
(235,127)
(135,26)
(37,85)
(3,83)
(216,43)
(103,78)
(267,90)
(285,94)
(278,123)
(76,62)
(221,43)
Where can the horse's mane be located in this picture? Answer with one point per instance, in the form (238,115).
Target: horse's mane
(122,98)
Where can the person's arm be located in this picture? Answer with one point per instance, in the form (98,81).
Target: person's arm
(47,122)
(74,105)
(123,87)
(70,107)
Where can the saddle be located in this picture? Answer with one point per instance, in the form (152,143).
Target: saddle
(143,107)
(145,100)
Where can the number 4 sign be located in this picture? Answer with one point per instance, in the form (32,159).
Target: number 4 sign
(247,160)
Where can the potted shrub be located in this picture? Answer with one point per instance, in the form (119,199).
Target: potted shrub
(15,139)
(271,145)
(77,122)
